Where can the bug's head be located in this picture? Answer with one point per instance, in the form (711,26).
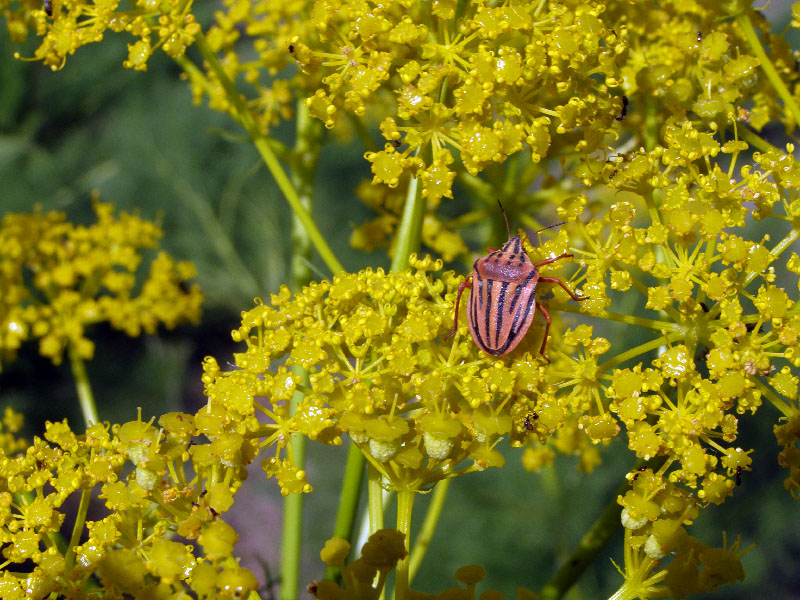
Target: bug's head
(514,245)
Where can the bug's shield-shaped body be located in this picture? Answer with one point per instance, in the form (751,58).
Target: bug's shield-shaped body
(503,298)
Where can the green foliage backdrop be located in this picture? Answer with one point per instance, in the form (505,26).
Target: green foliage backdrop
(137,142)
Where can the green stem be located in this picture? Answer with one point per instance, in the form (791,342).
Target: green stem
(374,499)
(423,539)
(633,352)
(620,318)
(776,251)
(348,501)
(261,142)
(410,232)
(755,140)
(769,69)
(405,504)
(304,167)
(652,124)
(77,529)
(595,539)
(85,396)
(776,401)
(293,514)
(306,155)
(196,74)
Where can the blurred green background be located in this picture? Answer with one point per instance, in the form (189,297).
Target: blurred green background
(139,141)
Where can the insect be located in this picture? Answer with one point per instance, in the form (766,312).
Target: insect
(291,48)
(529,419)
(48,8)
(624,110)
(502,299)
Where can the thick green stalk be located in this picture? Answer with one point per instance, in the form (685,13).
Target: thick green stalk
(755,140)
(410,232)
(405,504)
(261,142)
(423,539)
(374,499)
(598,535)
(595,539)
(293,518)
(769,69)
(348,501)
(77,528)
(306,154)
(85,396)
(304,167)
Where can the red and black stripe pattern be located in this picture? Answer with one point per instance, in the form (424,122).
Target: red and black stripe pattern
(503,298)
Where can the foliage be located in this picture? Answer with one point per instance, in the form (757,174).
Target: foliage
(641,125)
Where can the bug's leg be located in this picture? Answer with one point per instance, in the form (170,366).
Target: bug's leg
(540,307)
(547,261)
(566,289)
(467,283)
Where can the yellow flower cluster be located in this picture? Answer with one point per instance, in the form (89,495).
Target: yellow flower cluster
(541,81)
(480,80)
(726,328)
(379,369)
(654,515)
(59,278)
(266,29)
(692,58)
(9,427)
(66,25)
(154,482)
(381,372)
(365,577)
(422,409)
(661,226)
(698,568)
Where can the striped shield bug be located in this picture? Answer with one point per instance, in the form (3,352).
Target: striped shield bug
(502,300)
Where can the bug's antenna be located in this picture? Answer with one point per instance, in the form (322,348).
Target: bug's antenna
(505,216)
(546,228)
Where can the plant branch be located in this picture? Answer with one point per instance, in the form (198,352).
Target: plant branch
(423,539)
(769,69)
(243,116)
(348,501)
(595,539)
(410,232)
(85,396)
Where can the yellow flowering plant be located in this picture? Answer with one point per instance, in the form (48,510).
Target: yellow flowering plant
(647,128)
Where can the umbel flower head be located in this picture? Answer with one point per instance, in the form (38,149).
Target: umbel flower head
(379,369)
(157,483)
(66,25)
(59,278)
(477,80)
